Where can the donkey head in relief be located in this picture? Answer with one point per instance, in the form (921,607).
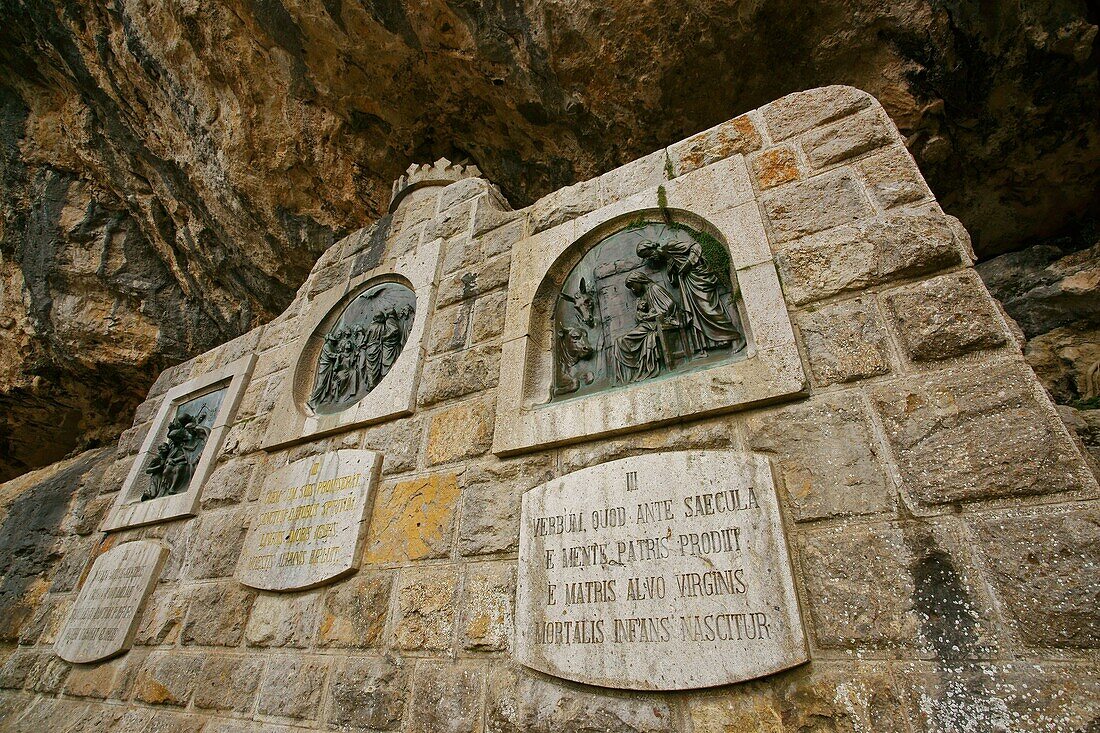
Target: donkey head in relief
(584,303)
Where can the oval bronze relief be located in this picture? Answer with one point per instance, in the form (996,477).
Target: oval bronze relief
(361,346)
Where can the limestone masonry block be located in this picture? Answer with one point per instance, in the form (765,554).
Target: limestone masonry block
(114,475)
(230,481)
(461,191)
(859,587)
(459,374)
(163,617)
(75,561)
(490,275)
(946,317)
(892,177)
(292,687)
(845,341)
(353,613)
(450,222)
(564,204)
(1021,696)
(638,175)
(851,697)
(460,432)
(500,240)
(970,435)
(447,697)
(490,502)
(814,205)
(848,138)
(459,253)
(228,682)
(449,329)
(739,136)
(283,620)
(798,112)
(846,259)
(519,702)
(413,520)
(216,544)
(370,692)
(17,668)
(111,679)
(399,441)
(775,166)
(487,614)
(426,609)
(488,317)
(826,456)
(217,614)
(1046,570)
(492,212)
(130,441)
(167,679)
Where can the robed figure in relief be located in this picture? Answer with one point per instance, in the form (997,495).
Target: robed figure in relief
(709,323)
(354,359)
(638,353)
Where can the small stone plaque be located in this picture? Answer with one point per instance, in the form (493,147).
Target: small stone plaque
(106,612)
(310,523)
(661,572)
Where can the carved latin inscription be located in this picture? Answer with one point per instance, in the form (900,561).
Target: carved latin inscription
(106,612)
(310,521)
(663,572)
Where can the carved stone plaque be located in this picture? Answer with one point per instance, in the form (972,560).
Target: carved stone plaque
(310,522)
(662,572)
(105,615)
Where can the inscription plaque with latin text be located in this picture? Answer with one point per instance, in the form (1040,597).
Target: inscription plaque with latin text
(661,572)
(105,615)
(310,521)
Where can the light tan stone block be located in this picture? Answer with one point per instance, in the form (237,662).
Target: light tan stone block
(426,609)
(464,431)
(845,341)
(413,520)
(353,613)
(488,607)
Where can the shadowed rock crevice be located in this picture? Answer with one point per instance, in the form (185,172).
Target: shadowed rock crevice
(31,534)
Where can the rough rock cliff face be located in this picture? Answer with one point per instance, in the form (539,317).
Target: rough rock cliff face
(170,170)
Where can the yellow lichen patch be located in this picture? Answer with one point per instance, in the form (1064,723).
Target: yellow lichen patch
(413,520)
(775,166)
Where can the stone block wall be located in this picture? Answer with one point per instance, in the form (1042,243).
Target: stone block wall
(943,525)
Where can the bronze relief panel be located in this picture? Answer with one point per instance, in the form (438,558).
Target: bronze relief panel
(362,345)
(652,299)
(172,466)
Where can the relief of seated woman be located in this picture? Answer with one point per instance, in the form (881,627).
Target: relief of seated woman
(638,353)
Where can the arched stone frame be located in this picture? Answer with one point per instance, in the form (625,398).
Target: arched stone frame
(292,419)
(719,199)
(541,346)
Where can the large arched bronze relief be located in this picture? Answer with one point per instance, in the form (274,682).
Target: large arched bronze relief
(361,346)
(651,299)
